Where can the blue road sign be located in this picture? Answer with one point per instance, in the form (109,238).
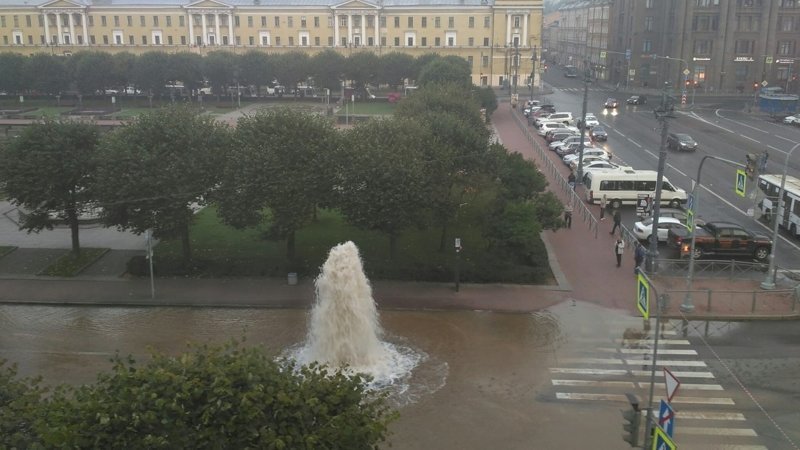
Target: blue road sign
(666,418)
(741,182)
(661,441)
(643,296)
(628,53)
(690,202)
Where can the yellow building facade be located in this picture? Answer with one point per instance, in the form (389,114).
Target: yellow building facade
(497,37)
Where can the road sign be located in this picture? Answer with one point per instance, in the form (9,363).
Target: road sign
(602,55)
(764,83)
(686,71)
(672,383)
(741,182)
(661,441)
(643,296)
(628,53)
(666,418)
(690,219)
(769,60)
(683,99)
(690,202)
(632,72)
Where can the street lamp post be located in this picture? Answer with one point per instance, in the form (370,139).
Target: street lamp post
(769,281)
(533,69)
(662,115)
(582,125)
(515,61)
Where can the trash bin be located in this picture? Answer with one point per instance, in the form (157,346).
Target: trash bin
(292,278)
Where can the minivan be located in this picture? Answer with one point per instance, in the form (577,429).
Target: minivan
(625,186)
(564,117)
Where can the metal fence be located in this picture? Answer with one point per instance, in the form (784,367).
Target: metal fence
(732,302)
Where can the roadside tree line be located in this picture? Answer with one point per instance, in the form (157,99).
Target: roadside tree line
(90,72)
(277,168)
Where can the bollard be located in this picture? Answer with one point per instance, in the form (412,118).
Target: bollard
(708,292)
(753,309)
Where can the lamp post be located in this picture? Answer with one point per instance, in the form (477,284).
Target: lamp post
(662,115)
(769,281)
(534,57)
(582,126)
(515,61)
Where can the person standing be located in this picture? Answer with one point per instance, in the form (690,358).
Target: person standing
(617,221)
(603,205)
(638,257)
(571,180)
(619,249)
(568,216)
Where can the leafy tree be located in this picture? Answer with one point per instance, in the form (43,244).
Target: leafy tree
(151,73)
(486,98)
(188,69)
(520,179)
(94,71)
(46,74)
(11,72)
(20,405)
(384,185)
(396,67)
(327,68)
(281,160)
(362,69)
(255,69)
(50,169)
(423,60)
(449,69)
(123,66)
(220,67)
(291,68)
(153,171)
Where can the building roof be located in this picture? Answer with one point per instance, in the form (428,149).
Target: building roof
(261,3)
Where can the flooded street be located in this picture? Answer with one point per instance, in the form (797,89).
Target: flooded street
(480,386)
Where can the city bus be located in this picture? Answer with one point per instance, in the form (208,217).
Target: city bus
(570,71)
(788,213)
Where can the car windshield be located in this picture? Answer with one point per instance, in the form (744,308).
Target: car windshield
(598,130)
(684,137)
(611,100)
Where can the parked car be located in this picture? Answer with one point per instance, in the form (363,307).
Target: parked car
(598,134)
(571,149)
(586,160)
(559,134)
(637,100)
(555,146)
(792,120)
(549,126)
(591,121)
(681,141)
(721,238)
(587,152)
(611,103)
(644,229)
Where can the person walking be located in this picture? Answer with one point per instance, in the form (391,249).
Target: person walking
(571,180)
(619,249)
(603,205)
(638,257)
(568,216)
(617,221)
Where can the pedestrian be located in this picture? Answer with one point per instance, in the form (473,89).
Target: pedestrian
(763,165)
(638,257)
(610,155)
(571,180)
(619,249)
(568,216)
(603,205)
(617,221)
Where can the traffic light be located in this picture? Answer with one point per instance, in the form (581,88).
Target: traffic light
(688,83)
(633,418)
(755,86)
(750,165)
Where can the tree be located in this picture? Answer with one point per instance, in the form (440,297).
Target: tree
(291,68)
(486,98)
(156,169)
(383,181)
(255,70)
(151,73)
(362,69)
(20,405)
(46,74)
(396,67)
(450,69)
(123,66)
(421,61)
(93,72)
(49,171)
(210,397)
(220,68)
(11,72)
(327,68)
(280,160)
(188,69)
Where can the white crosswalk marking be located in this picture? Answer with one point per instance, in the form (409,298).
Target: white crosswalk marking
(716,431)
(632,384)
(633,362)
(647,351)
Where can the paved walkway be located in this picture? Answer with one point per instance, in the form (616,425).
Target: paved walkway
(583,265)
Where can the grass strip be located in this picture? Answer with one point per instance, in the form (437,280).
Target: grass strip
(70,266)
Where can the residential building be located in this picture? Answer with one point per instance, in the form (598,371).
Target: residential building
(577,34)
(497,37)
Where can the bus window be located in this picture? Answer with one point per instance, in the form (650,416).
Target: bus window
(667,186)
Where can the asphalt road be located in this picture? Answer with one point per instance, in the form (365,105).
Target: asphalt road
(721,126)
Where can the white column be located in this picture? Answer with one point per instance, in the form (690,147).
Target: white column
(524,38)
(46,28)
(377,24)
(205,29)
(363,29)
(60,39)
(230,30)
(349,29)
(85,29)
(71,30)
(217,39)
(335,30)
(508,28)
(191,28)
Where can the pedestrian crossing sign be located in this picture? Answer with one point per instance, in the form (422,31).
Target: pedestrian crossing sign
(643,296)
(661,441)
(741,180)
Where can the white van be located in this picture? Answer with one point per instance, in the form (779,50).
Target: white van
(624,186)
(563,117)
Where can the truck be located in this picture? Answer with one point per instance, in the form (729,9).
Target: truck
(720,239)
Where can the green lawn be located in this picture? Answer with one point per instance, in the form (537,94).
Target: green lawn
(381,108)
(6,249)
(70,266)
(219,250)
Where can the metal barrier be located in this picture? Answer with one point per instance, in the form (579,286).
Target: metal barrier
(578,207)
(726,302)
(715,268)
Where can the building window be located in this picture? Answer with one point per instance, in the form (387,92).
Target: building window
(183,40)
(155,21)
(144,40)
(471,22)
(741,73)
(303,23)
(344,42)
(105,39)
(383,21)
(783,73)
(290,22)
(250,21)
(423,42)
(129,20)
(196,20)
(236,21)
(487,21)
(264,21)
(706,3)
(788,4)
(410,22)
(397,42)
(251,40)
(471,42)
(749,3)
(131,40)
(28,21)
(647,46)
(116,21)
(238,40)
(181,21)
(142,22)
(169,40)
(648,4)
(383,41)
(103,20)
(484,61)
(470,61)
(648,23)
(316,41)
(277,22)
(291,41)
(437,42)
(702,47)
(451,41)
(486,42)
(748,23)
(786,48)
(437,22)
(157,40)
(788,23)
(91,39)
(516,21)
(277,40)
(330,41)
(169,21)
(316,21)
(397,21)
(451,22)
(424,23)
(743,47)
(409,41)
(705,23)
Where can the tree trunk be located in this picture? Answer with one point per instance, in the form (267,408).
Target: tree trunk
(443,237)
(290,246)
(72,219)
(186,244)
(392,246)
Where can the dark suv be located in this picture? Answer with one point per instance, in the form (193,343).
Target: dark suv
(680,141)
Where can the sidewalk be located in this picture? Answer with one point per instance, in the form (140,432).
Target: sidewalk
(584,268)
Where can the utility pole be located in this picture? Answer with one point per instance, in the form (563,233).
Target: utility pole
(534,57)
(582,125)
(515,61)
(662,113)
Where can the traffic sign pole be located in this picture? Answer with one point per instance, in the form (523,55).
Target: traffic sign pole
(643,278)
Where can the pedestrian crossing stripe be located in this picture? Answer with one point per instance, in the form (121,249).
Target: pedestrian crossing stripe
(646,351)
(718,431)
(637,373)
(633,362)
(634,384)
(726,447)
(628,341)
(623,398)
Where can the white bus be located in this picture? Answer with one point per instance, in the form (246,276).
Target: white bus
(789,212)
(625,186)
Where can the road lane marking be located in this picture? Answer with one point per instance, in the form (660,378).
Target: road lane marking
(716,113)
(679,374)
(724,447)
(584,383)
(619,133)
(661,342)
(686,386)
(784,138)
(748,137)
(694,115)
(717,431)
(574,371)
(774,148)
(634,143)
